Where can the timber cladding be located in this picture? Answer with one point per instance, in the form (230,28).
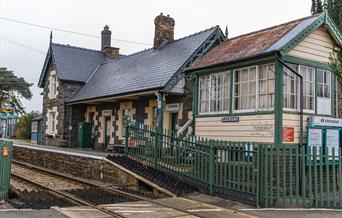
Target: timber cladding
(293,120)
(249,128)
(318,46)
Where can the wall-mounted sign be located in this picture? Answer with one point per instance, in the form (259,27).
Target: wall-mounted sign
(288,134)
(315,139)
(230,119)
(106,113)
(325,121)
(5,151)
(332,141)
(172,107)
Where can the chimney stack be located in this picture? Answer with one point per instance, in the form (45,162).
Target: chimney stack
(164,30)
(106,48)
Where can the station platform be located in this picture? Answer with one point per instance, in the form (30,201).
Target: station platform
(81,152)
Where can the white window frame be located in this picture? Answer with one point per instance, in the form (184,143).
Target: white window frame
(209,101)
(52,126)
(314,91)
(256,90)
(53,85)
(297,94)
(330,97)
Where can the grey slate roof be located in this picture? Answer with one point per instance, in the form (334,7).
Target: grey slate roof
(73,63)
(145,70)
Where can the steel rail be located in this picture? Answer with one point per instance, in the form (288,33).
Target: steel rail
(69,196)
(112,190)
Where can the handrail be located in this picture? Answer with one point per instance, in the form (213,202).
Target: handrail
(186,125)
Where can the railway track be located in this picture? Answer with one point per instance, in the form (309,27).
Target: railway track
(79,201)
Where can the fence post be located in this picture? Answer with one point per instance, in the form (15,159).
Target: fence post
(259,176)
(211,167)
(155,147)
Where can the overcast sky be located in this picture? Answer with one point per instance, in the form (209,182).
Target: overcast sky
(128,20)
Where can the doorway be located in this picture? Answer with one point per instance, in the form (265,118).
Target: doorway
(107,131)
(174,122)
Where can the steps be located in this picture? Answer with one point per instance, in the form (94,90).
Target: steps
(160,178)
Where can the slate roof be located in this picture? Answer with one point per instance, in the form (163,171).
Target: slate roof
(145,70)
(254,44)
(74,63)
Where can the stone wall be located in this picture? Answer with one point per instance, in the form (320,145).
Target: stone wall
(77,166)
(65,90)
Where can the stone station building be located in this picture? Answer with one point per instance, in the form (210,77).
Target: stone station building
(101,87)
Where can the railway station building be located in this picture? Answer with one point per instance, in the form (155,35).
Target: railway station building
(87,93)
(268,86)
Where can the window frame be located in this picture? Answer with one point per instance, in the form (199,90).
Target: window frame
(209,94)
(256,89)
(330,90)
(314,90)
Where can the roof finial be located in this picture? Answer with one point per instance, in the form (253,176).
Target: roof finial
(325,6)
(226,32)
(51,36)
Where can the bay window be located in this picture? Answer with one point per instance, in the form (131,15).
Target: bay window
(266,86)
(245,89)
(214,93)
(323,92)
(308,74)
(290,88)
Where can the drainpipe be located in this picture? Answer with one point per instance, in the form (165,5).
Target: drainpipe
(300,100)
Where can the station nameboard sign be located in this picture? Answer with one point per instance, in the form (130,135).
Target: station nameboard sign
(325,121)
(230,119)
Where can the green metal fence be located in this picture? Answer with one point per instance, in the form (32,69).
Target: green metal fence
(6,149)
(263,174)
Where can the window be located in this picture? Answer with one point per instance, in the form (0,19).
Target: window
(290,88)
(53,84)
(53,122)
(214,92)
(323,92)
(266,86)
(245,89)
(308,74)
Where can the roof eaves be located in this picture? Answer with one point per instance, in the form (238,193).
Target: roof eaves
(332,27)
(175,78)
(303,34)
(260,55)
(45,67)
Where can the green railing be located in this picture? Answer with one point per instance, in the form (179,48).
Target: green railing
(263,174)
(6,149)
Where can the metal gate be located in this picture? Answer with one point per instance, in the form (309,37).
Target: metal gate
(6,149)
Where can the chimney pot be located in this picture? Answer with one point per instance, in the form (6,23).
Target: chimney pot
(106,48)
(164,30)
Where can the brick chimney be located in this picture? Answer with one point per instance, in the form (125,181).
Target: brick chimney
(106,43)
(164,30)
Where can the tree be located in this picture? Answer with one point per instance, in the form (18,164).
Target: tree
(316,7)
(23,126)
(335,11)
(12,90)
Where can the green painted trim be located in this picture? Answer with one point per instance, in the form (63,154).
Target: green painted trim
(333,89)
(239,64)
(195,105)
(206,46)
(301,36)
(301,61)
(231,96)
(278,104)
(332,27)
(308,114)
(235,114)
(316,91)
